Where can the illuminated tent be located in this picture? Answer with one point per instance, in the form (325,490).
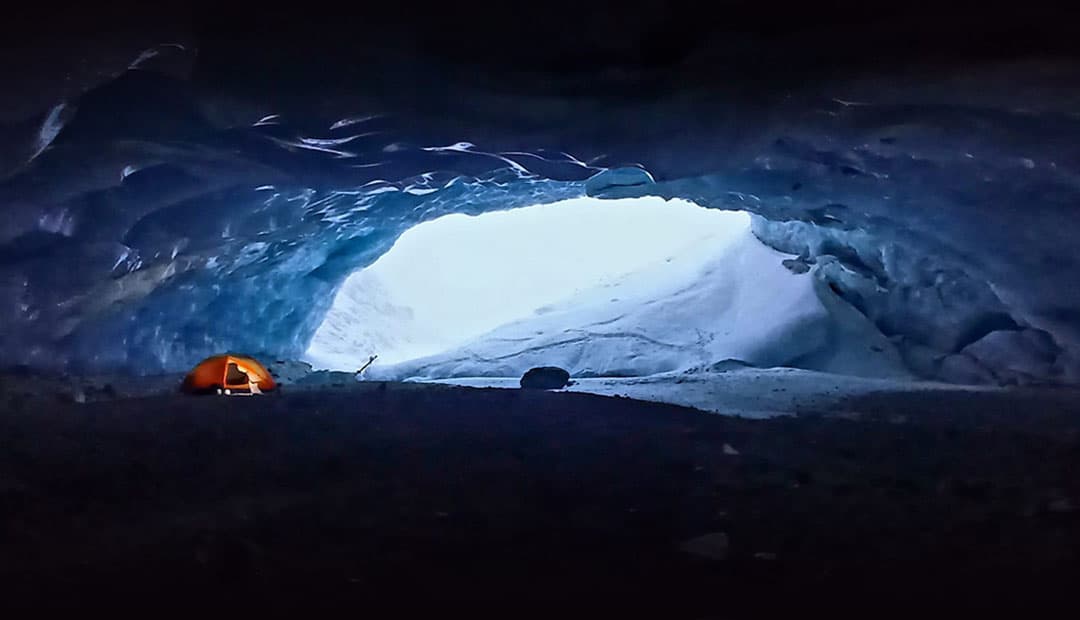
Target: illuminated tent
(228,374)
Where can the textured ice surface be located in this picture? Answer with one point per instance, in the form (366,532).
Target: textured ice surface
(161,223)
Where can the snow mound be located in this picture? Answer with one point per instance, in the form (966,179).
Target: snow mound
(722,297)
(457,278)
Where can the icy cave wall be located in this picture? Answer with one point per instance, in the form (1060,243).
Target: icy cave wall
(151,222)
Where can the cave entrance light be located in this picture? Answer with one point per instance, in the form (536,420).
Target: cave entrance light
(450,280)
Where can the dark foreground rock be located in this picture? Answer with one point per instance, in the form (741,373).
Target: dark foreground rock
(545,378)
(509,503)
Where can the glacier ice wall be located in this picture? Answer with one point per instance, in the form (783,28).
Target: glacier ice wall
(162,222)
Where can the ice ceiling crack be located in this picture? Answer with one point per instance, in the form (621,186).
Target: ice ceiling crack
(149,224)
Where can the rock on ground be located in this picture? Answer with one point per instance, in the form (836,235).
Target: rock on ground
(545,378)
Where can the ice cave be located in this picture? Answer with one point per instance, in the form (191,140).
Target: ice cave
(928,223)
(809,274)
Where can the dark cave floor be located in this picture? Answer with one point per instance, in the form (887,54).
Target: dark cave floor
(415,496)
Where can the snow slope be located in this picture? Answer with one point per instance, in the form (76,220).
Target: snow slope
(456,278)
(720,298)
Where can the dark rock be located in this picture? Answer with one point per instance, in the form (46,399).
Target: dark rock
(545,378)
(795,265)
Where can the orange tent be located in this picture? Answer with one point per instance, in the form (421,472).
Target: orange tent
(229,374)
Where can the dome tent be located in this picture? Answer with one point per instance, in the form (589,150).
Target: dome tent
(228,374)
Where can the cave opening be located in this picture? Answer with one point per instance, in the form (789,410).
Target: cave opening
(458,278)
(603,288)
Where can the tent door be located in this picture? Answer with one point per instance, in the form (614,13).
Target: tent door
(234,376)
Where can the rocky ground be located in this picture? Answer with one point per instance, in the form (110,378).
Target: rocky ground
(514,502)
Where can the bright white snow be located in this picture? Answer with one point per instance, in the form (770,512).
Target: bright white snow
(599,287)
(455,278)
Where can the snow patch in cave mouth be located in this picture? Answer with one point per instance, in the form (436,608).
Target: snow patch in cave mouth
(628,287)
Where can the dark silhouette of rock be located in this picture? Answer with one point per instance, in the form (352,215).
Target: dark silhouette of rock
(796,265)
(545,378)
